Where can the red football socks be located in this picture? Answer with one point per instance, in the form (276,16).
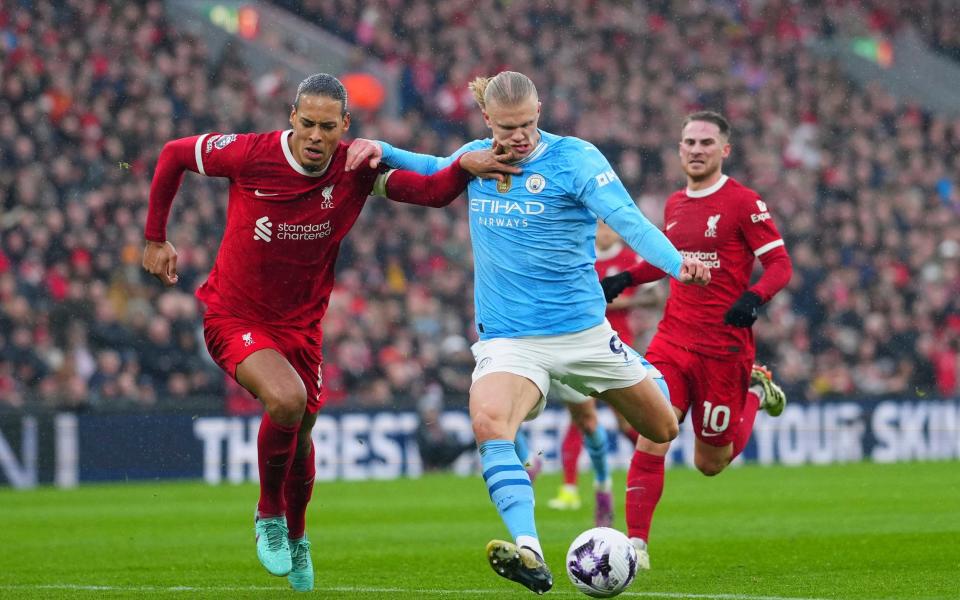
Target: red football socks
(644,488)
(297,490)
(275,450)
(570,454)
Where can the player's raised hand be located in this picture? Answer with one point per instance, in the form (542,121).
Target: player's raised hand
(361,150)
(160,260)
(694,271)
(486,164)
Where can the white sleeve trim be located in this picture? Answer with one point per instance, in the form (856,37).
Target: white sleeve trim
(198,153)
(767,247)
(380,183)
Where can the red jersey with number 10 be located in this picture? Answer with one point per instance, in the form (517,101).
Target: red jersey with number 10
(284,227)
(728,227)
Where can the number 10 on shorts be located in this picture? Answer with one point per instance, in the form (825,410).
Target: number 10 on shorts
(715,418)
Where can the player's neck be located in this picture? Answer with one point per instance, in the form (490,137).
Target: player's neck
(706,183)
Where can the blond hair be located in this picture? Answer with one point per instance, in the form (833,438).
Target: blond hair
(507,88)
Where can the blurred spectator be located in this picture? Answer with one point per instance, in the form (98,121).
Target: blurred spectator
(438,447)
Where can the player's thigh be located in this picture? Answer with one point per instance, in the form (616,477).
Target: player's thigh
(499,402)
(254,356)
(304,349)
(522,359)
(719,395)
(644,406)
(270,377)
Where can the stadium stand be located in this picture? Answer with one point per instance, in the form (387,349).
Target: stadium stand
(864,187)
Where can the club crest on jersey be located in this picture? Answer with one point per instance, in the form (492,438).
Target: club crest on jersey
(504,186)
(711,226)
(247,339)
(327,194)
(535,183)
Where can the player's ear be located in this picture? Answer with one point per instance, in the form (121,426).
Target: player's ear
(346,121)
(486,118)
(293,114)
(726,151)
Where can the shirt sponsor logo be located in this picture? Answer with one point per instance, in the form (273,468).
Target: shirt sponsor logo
(711,259)
(711,226)
(264,230)
(505,213)
(535,183)
(759,218)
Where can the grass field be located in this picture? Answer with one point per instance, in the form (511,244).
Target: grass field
(839,532)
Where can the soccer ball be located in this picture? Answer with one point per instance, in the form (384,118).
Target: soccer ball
(601,562)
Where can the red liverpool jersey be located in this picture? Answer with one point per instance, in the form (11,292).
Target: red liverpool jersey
(613,260)
(728,227)
(284,227)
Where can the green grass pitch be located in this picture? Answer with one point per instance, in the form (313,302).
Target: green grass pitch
(835,532)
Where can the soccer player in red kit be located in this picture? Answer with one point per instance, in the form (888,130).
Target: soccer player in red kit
(704,344)
(291,204)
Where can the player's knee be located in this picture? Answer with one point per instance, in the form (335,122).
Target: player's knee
(285,402)
(665,432)
(709,466)
(487,426)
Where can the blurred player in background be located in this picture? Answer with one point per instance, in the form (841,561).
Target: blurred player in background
(613,257)
(704,344)
(539,305)
(291,204)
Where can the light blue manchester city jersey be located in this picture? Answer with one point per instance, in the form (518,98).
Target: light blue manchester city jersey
(533,236)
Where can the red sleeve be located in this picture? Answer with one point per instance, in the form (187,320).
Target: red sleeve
(176,157)
(777,269)
(437,190)
(645,272)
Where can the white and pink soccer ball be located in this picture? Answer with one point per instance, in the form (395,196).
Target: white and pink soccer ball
(601,562)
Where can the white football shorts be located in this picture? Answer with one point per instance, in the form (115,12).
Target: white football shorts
(587,362)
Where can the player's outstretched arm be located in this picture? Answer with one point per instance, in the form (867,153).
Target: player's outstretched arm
(374,152)
(443,187)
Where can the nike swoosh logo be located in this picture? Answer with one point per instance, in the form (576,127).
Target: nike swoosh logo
(670,225)
(706,433)
(262,195)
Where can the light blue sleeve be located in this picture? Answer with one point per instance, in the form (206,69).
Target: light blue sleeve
(599,188)
(423,164)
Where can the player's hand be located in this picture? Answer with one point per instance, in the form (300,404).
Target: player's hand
(744,311)
(693,270)
(614,285)
(486,164)
(160,260)
(361,150)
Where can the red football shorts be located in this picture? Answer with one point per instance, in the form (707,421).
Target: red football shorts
(716,389)
(231,340)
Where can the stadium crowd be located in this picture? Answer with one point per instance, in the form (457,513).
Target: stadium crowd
(864,188)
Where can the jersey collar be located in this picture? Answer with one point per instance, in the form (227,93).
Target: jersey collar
(293,161)
(707,191)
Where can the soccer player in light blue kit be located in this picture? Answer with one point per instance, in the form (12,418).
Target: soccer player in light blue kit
(539,305)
